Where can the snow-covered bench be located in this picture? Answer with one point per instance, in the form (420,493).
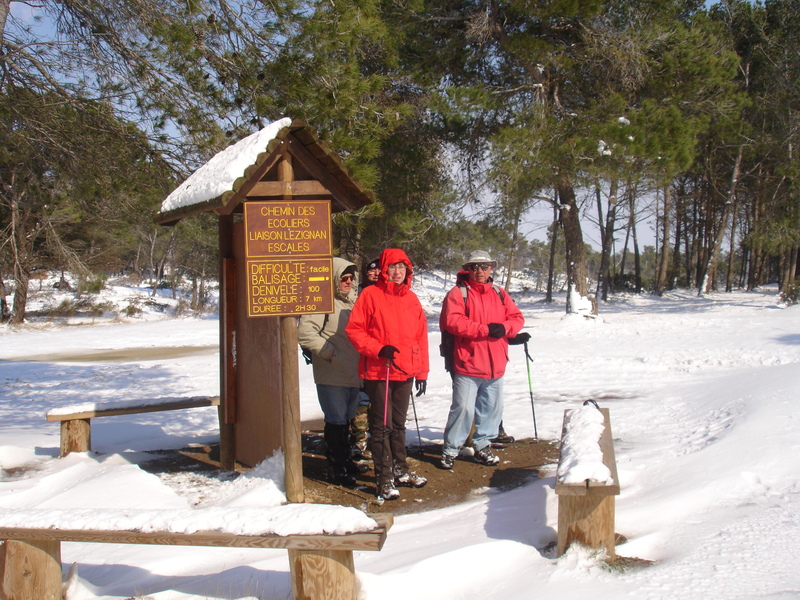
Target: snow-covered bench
(587,480)
(76,431)
(321,564)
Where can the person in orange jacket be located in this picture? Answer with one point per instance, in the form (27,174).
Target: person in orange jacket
(389,329)
(483,320)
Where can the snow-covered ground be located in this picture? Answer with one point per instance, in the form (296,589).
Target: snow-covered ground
(703,396)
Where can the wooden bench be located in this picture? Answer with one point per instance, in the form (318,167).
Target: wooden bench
(321,566)
(586,509)
(76,432)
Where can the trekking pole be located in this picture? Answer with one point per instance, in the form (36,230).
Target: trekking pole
(419,437)
(528,361)
(386,394)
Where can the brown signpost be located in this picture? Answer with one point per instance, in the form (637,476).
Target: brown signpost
(275,261)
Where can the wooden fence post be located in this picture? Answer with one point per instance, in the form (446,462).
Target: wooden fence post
(30,570)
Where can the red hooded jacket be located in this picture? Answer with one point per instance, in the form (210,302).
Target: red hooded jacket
(389,313)
(477,354)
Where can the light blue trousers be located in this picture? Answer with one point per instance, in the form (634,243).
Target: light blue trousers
(475,399)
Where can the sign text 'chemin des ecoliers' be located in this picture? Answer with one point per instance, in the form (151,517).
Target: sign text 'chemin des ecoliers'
(291,228)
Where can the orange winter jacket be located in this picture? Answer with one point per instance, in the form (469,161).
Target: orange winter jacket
(389,313)
(477,354)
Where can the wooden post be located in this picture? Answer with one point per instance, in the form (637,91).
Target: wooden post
(76,436)
(227,327)
(322,575)
(292,447)
(290,383)
(30,570)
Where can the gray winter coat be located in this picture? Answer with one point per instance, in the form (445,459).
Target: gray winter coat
(334,360)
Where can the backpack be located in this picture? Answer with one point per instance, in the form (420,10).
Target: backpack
(447,347)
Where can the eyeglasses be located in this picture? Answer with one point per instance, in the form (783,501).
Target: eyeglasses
(397,267)
(482,267)
(346,278)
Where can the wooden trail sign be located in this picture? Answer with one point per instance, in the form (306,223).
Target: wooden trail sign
(289,265)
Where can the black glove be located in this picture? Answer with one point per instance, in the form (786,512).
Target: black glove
(422,387)
(496,330)
(388,352)
(520,338)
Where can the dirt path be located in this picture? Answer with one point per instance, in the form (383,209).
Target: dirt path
(118,355)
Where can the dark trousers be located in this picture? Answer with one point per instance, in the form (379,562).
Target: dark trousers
(387,428)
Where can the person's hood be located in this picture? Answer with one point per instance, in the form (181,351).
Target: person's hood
(341,265)
(391,256)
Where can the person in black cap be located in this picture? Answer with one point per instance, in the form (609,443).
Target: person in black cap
(369,273)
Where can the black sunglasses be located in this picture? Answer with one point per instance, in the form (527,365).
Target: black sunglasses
(482,267)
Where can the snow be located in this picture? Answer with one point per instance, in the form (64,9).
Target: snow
(581,455)
(218,175)
(702,394)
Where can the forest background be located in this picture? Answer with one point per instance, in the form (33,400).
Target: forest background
(461,115)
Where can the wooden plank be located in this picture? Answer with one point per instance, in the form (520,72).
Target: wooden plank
(99,411)
(364,540)
(283,189)
(588,520)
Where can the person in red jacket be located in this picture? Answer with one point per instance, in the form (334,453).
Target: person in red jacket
(483,321)
(390,330)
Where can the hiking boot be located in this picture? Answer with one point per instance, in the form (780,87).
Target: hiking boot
(338,475)
(447,462)
(409,479)
(503,438)
(355,468)
(486,457)
(387,492)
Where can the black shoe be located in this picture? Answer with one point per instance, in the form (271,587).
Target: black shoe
(354,468)
(339,476)
(503,438)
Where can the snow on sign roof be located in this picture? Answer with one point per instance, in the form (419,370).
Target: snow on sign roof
(218,175)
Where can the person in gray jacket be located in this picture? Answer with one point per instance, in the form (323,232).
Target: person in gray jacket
(334,361)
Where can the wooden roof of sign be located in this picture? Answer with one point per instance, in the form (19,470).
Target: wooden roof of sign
(247,170)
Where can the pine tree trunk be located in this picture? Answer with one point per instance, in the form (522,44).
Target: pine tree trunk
(731,252)
(553,245)
(21,245)
(607,238)
(663,269)
(573,239)
(713,260)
